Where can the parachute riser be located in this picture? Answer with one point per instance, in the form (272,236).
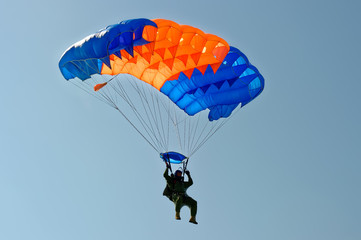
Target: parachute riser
(169,165)
(185,164)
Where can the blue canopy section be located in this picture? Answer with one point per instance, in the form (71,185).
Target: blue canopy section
(235,82)
(172,157)
(86,57)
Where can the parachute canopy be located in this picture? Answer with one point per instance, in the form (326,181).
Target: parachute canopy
(195,70)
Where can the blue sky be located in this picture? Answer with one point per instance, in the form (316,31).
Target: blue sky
(285,167)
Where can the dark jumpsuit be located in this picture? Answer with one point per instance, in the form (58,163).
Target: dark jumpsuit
(176,192)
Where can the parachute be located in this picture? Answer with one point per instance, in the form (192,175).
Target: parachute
(175,84)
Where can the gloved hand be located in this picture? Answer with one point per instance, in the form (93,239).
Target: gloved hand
(187,172)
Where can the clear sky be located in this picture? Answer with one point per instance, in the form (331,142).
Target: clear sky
(286,167)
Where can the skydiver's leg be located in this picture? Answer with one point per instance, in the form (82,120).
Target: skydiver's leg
(192,204)
(178,202)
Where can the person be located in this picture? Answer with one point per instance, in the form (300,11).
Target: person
(176,189)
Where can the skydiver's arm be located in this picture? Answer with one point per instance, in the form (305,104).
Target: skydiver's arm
(190,180)
(166,176)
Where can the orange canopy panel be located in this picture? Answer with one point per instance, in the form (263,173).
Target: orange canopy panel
(172,49)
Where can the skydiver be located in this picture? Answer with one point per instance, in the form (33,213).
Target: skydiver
(176,189)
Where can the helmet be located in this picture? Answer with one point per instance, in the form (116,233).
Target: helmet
(178,173)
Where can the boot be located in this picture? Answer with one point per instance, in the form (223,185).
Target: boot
(177,216)
(193,220)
